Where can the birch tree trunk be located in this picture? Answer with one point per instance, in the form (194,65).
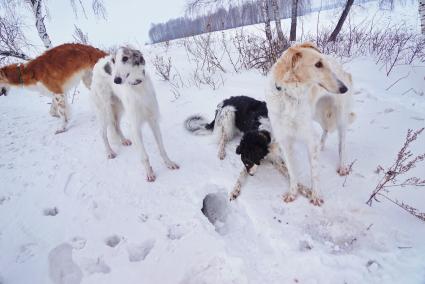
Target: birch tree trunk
(294,14)
(265,9)
(341,20)
(36,6)
(422,15)
(276,15)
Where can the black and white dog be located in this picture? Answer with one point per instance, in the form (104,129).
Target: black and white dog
(250,117)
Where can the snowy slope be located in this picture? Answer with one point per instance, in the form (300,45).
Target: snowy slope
(66,211)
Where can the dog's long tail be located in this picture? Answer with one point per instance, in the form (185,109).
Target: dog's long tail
(199,125)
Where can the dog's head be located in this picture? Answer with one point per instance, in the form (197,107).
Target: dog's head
(253,148)
(128,66)
(305,64)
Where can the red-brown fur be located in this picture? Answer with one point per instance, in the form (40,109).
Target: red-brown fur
(54,70)
(54,67)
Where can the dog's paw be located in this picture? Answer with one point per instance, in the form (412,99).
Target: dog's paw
(343,170)
(316,201)
(304,190)
(221,155)
(289,197)
(111,155)
(150,176)
(235,193)
(60,130)
(172,166)
(126,142)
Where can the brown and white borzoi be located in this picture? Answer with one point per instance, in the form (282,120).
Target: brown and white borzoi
(54,72)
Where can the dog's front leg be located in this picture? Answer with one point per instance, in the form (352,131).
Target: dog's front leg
(287,149)
(323,139)
(313,153)
(342,167)
(222,144)
(62,106)
(54,108)
(158,138)
(138,139)
(279,165)
(104,132)
(238,186)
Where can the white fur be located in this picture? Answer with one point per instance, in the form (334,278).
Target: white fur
(291,113)
(138,101)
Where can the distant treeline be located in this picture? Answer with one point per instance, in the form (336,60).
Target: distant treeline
(245,14)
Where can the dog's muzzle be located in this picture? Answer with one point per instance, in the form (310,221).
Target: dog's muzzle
(117,80)
(252,170)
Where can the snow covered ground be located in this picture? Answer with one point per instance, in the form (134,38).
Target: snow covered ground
(69,215)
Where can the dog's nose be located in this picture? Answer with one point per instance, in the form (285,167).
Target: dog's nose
(118,80)
(343,89)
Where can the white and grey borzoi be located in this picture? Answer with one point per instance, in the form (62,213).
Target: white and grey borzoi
(121,84)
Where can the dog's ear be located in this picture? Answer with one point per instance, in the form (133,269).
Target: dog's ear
(108,68)
(283,70)
(140,59)
(309,44)
(238,150)
(296,58)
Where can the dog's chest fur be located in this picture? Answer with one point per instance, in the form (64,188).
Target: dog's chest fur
(140,99)
(289,116)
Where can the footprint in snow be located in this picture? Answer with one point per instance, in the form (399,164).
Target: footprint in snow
(139,252)
(62,268)
(113,241)
(50,211)
(26,252)
(95,265)
(215,207)
(176,232)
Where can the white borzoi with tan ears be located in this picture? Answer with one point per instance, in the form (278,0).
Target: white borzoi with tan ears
(54,72)
(300,84)
(120,83)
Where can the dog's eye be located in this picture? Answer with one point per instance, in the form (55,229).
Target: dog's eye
(319,64)
(124,59)
(128,74)
(279,88)
(113,60)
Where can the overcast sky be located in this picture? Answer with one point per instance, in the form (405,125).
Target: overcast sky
(128,21)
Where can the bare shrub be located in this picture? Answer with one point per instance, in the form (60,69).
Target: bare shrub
(162,67)
(12,40)
(403,164)
(80,36)
(392,46)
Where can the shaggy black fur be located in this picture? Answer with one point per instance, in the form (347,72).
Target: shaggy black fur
(254,147)
(248,112)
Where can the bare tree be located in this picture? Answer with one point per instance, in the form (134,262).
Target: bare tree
(341,20)
(12,39)
(294,15)
(265,8)
(277,17)
(79,36)
(422,15)
(36,6)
